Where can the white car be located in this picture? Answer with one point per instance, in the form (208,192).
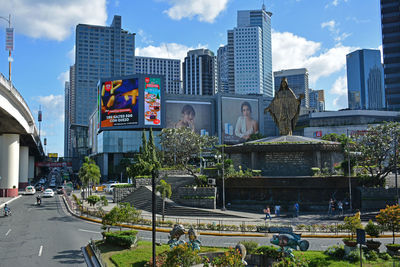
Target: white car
(48,193)
(30,190)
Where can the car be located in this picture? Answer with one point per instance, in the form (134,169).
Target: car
(52,184)
(30,190)
(48,193)
(60,190)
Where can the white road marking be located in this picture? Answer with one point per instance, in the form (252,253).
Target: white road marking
(9,230)
(40,251)
(83,230)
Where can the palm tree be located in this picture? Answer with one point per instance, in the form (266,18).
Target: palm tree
(165,190)
(89,173)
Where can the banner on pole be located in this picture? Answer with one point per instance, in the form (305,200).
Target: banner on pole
(9,39)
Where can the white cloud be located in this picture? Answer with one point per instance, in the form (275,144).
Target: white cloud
(335,32)
(71,54)
(205,10)
(166,50)
(381,49)
(329,24)
(290,51)
(339,90)
(63,77)
(144,37)
(335,3)
(52,107)
(53,19)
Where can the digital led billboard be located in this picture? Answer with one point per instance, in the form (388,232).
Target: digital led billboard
(240,119)
(152,101)
(131,102)
(195,115)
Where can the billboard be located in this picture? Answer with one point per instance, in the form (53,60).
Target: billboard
(239,119)
(52,155)
(195,115)
(131,102)
(152,101)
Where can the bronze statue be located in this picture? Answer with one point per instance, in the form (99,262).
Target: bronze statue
(285,108)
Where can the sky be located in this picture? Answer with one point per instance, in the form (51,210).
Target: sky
(312,34)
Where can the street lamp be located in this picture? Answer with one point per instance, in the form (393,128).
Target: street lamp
(348,165)
(218,157)
(395,166)
(9,42)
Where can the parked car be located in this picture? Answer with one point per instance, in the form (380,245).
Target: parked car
(30,190)
(48,193)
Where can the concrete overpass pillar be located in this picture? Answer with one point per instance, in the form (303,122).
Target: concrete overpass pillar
(23,166)
(9,165)
(31,167)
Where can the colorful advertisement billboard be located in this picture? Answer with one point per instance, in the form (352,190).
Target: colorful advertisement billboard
(152,101)
(240,119)
(195,115)
(119,105)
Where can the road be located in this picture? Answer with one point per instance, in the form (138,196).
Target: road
(43,235)
(48,235)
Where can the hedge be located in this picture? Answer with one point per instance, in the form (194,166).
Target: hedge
(121,238)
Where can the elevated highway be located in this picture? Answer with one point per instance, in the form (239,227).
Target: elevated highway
(20,145)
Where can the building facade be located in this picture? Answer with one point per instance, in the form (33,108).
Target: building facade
(298,82)
(317,100)
(390,15)
(101,51)
(170,68)
(69,112)
(365,81)
(222,63)
(252,53)
(200,73)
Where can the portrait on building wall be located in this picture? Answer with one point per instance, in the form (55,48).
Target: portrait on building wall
(240,119)
(196,116)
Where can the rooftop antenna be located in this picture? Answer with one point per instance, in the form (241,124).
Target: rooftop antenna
(263,6)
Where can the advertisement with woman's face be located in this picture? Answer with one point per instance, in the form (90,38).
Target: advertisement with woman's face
(193,115)
(239,119)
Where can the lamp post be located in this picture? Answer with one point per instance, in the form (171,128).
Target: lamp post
(395,166)
(9,43)
(348,165)
(223,178)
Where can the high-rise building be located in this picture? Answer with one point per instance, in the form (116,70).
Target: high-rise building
(317,100)
(66,118)
(171,68)
(365,80)
(231,61)
(298,82)
(101,51)
(69,107)
(200,73)
(252,53)
(222,63)
(390,15)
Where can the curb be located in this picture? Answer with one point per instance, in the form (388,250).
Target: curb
(146,228)
(9,201)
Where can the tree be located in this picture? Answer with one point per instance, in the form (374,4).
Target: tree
(375,149)
(352,223)
(89,173)
(182,144)
(390,218)
(165,190)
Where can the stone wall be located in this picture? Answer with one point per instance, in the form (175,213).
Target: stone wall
(121,193)
(376,198)
(138,182)
(201,197)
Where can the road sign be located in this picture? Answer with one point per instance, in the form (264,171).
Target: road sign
(360,236)
(52,155)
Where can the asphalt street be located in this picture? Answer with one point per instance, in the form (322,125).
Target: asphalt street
(48,235)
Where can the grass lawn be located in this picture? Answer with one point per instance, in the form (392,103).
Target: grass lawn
(137,256)
(327,261)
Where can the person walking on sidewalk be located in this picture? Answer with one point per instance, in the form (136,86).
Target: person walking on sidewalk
(330,207)
(296,208)
(340,207)
(277,210)
(267,212)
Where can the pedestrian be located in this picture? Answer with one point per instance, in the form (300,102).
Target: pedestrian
(267,212)
(296,209)
(340,207)
(330,207)
(277,210)
(358,215)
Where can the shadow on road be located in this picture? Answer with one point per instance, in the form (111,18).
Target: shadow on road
(62,219)
(70,257)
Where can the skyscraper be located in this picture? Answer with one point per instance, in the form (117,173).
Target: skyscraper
(298,82)
(365,79)
(252,57)
(171,68)
(390,15)
(317,100)
(69,106)
(200,73)
(222,63)
(101,51)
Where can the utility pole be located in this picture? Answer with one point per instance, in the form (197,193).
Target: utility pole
(9,43)
(349,169)
(395,167)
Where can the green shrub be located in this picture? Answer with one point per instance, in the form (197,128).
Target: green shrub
(104,200)
(143,176)
(77,200)
(250,246)
(371,255)
(182,255)
(384,256)
(292,262)
(93,199)
(354,256)
(269,251)
(121,238)
(316,171)
(336,252)
(124,185)
(201,179)
(231,258)
(372,229)
(318,262)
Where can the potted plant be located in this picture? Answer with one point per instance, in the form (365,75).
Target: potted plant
(393,247)
(351,223)
(372,230)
